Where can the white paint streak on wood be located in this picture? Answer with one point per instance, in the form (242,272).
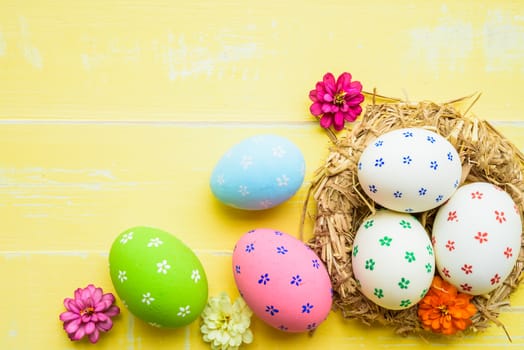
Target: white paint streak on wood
(184,60)
(131,333)
(96,54)
(12,254)
(30,52)
(447,45)
(3,45)
(503,42)
(103,173)
(187,338)
(36,216)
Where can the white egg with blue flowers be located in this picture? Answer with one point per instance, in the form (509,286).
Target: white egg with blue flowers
(409,170)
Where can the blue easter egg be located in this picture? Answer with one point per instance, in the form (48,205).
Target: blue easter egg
(258,173)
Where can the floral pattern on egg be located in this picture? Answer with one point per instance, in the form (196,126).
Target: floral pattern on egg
(393,260)
(159,279)
(258,173)
(478,221)
(282,280)
(409,170)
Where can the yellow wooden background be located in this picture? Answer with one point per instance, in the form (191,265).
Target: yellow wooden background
(113,114)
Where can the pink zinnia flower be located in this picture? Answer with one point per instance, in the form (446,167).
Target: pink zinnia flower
(89,313)
(336,101)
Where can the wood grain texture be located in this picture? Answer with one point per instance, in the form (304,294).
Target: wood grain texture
(114,113)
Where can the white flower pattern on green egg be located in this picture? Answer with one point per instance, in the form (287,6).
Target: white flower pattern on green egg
(158,278)
(195,276)
(155,242)
(184,311)
(147,298)
(163,266)
(126,238)
(122,276)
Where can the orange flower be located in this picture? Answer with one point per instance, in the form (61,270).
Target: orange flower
(444,310)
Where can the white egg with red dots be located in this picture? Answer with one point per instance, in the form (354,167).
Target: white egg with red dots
(476,238)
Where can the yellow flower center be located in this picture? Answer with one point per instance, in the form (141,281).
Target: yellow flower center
(339,98)
(87,311)
(443,309)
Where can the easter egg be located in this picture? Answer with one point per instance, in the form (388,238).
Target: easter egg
(157,277)
(393,260)
(258,173)
(477,236)
(282,280)
(409,170)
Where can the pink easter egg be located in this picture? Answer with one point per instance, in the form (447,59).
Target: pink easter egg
(282,280)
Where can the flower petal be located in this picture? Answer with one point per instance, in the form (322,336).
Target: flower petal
(112,311)
(313,95)
(329,83)
(327,97)
(105,326)
(326,120)
(89,328)
(102,305)
(71,305)
(72,327)
(100,317)
(93,337)
(79,334)
(68,316)
(343,81)
(355,99)
(97,295)
(326,107)
(354,88)
(338,121)
(316,109)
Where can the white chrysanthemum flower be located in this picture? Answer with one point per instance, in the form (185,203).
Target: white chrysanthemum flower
(226,326)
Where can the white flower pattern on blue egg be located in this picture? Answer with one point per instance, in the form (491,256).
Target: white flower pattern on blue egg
(258,173)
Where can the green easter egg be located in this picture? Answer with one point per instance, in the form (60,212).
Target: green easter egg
(157,277)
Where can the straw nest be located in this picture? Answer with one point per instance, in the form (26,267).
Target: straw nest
(341,204)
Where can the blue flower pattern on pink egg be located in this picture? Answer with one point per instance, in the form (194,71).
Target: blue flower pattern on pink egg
(264,279)
(316,264)
(297,280)
(272,310)
(282,250)
(250,247)
(307,308)
(312,326)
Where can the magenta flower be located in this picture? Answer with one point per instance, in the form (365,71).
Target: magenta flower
(336,102)
(89,313)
